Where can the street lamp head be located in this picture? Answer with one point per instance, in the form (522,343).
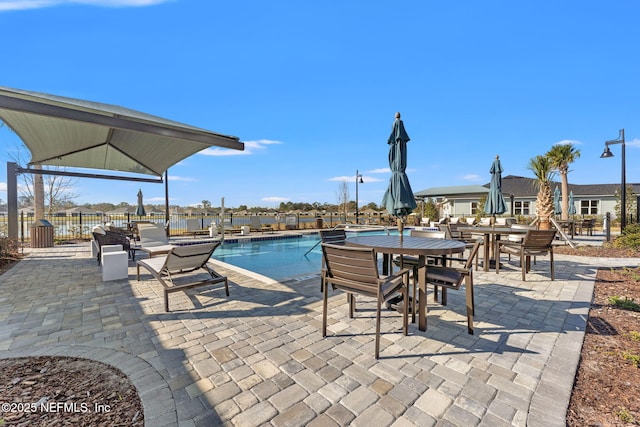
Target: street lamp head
(361,181)
(607,153)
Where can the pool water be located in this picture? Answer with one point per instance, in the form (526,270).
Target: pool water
(278,259)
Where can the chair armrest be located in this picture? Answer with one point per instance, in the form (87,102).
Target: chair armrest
(396,275)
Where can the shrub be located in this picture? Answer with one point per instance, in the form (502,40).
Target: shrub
(629,238)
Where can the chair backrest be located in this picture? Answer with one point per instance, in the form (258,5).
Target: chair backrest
(471,220)
(588,222)
(351,269)
(446,229)
(454,220)
(428,233)
(472,254)
(333,237)
(485,221)
(111,238)
(189,257)
(520,237)
(193,224)
(152,234)
(538,239)
(524,227)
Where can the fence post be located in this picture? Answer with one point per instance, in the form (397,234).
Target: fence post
(607,226)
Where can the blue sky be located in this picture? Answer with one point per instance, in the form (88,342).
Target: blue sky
(312,87)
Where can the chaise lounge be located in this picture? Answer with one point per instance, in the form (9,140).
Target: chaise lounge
(171,268)
(153,239)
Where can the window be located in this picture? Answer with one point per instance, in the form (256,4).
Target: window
(474,208)
(521,208)
(589,207)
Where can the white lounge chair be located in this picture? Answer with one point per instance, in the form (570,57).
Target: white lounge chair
(194,227)
(171,268)
(256,225)
(153,239)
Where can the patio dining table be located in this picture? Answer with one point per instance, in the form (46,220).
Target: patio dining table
(491,236)
(408,245)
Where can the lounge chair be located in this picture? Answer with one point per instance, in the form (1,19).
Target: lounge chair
(153,239)
(256,225)
(194,227)
(171,268)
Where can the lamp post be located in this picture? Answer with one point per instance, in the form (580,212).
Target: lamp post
(358,178)
(623,185)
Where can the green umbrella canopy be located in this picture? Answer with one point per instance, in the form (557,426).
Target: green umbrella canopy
(572,204)
(398,199)
(140,209)
(557,206)
(495,204)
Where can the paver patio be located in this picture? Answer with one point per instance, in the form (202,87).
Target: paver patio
(257,357)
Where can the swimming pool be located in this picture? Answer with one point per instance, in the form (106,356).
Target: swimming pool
(278,259)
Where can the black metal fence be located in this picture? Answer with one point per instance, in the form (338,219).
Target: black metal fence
(78,225)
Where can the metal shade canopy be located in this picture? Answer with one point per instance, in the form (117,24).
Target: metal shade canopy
(62,131)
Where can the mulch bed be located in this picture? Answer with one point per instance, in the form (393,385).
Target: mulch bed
(606,390)
(66,391)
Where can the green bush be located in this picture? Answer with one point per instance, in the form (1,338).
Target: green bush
(629,238)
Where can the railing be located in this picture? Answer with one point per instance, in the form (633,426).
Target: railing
(78,225)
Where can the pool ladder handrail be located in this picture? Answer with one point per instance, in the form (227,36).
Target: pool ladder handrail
(383,227)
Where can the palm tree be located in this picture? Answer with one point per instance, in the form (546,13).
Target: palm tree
(561,156)
(543,171)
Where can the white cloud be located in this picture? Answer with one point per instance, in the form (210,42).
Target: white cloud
(380,170)
(37,4)
(154,200)
(275,199)
(568,141)
(472,177)
(250,147)
(181,178)
(352,178)
(3,186)
(634,142)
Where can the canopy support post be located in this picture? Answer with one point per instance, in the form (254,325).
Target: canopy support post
(12,200)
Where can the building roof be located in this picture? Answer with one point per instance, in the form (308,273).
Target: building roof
(459,191)
(519,186)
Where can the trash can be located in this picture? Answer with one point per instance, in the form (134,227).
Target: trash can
(42,234)
(319,223)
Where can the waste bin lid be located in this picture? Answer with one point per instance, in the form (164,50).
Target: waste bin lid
(42,223)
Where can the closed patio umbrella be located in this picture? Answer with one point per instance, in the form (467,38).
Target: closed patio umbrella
(572,204)
(557,206)
(495,204)
(140,208)
(398,199)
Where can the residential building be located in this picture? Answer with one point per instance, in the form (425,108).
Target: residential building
(520,195)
